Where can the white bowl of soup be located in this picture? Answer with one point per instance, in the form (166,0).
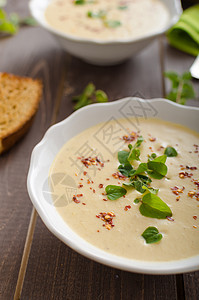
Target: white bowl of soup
(142,220)
(105,32)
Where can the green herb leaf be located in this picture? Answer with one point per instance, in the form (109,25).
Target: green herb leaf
(125,169)
(89,95)
(101,96)
(137,200)
(161,158)
(150,189)
(153,207)
(152,157)
(139,182)
(151,235)
(174,77)
(123,7)
(170,152)
(157,168)
(28,21)
(134,152)
(6,26)
(114,192)
(141,169)
(100,14)
(112,23)
(182,88)
(123,156)
(79,2)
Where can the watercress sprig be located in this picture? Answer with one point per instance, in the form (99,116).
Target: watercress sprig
(88,96)
(181,87)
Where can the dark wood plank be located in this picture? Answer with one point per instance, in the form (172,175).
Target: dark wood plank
(24,54)
(132,78)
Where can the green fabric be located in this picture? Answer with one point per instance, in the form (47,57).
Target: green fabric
(184,35)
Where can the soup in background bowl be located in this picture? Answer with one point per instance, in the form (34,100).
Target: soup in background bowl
(105,35)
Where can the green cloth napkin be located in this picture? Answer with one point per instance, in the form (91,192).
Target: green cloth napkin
(184,35)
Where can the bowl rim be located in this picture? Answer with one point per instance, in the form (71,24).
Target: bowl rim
(42,22)
(85,248)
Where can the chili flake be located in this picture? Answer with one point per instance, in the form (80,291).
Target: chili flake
(119,175)
(170,219)
(91,161)
(185,175)
(176,190)
(101,185)
(130,138)
(127,207)
(195,217)
(152,139)
(75,199)
(107,218)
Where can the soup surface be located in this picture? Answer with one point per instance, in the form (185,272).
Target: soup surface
(88,163)
(107,20)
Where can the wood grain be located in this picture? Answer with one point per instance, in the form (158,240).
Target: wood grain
(15,203)
(55,271)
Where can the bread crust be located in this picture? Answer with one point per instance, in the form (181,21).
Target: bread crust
(19,100)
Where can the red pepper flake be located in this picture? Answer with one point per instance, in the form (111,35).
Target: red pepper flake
(152,139)
(98,231)
(80,185)
(101,185)
(185,175)
(189,168)
(107,218)
(119,175)
(127,207)
(103,194)
(89,161)
(170,219)
(176,190)
(196,182)
(195,217)
(93,191)
(83,203)
(75,199)
(191,193)
(160,148)
(85,173)
(107,178)
(194,226)
(88,181)
(130,138)
(105,199)
(79,195)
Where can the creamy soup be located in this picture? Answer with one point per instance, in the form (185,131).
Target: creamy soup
(88,163)
(107,20)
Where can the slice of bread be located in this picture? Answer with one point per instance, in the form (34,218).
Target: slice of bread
(19,101)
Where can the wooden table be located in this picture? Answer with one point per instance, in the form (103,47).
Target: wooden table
(34,264)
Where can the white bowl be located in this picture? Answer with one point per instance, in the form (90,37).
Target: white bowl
(45,152)
(98,51)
